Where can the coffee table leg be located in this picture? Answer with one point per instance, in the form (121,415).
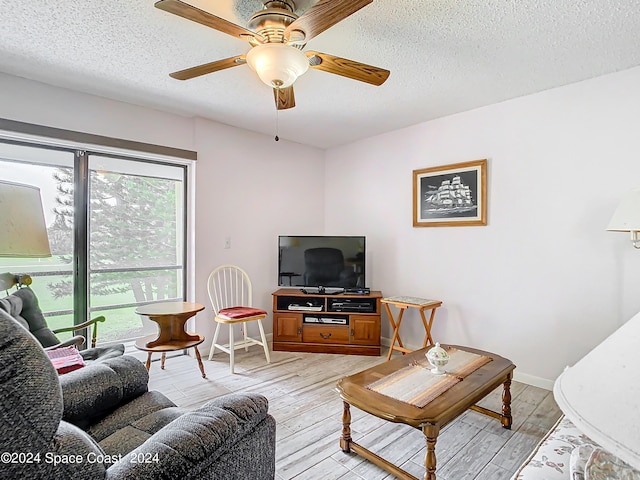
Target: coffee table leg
(148,364)
(345,439)
(431,434)
(506,419)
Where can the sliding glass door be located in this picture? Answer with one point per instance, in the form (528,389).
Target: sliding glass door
(136,240)
(116,226)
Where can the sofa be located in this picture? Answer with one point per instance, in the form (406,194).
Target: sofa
(101,422)
(565,453)
(598,395)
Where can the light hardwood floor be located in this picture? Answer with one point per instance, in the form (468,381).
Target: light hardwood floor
(303,400)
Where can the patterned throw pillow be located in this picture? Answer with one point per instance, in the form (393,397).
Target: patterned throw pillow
(578,462)
(603,465)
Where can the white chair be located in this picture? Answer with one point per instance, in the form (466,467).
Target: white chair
(229,290)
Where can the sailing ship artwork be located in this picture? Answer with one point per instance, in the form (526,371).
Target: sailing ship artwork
(450,195)
(450,198)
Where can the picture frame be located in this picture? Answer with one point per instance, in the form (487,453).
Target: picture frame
(452,195)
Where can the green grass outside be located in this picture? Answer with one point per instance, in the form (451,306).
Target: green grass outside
(121,323)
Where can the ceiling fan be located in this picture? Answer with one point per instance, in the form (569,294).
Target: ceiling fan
(277,37)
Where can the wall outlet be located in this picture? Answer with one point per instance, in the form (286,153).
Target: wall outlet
(227,242)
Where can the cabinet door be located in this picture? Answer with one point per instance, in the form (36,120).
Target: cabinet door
(365,329)
(287,327)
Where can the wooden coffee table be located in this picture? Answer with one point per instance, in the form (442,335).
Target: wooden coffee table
(434,415)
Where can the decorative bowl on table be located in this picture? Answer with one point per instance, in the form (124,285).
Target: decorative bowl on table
(438,358)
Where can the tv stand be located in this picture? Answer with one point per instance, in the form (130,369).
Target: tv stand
(326,322)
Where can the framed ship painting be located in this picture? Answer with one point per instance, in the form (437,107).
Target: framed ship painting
(450,195)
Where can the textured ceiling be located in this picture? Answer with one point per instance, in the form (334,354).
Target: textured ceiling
(445,56)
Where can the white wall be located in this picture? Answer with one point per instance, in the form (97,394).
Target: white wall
(248,187)
(34,102)
(543,282)
(251,189)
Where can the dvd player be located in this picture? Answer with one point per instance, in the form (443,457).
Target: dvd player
(367,305)
(357,291)
(351,306)
(326,320)
(308,307)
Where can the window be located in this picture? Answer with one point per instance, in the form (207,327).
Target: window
(117,231)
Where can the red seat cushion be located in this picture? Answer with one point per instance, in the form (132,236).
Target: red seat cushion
(241,312)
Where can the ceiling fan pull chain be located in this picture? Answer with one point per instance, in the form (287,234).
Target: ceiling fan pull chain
(277,126)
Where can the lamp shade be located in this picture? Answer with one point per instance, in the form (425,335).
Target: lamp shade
(276,64)
(626,218)
(600,393)
(23,232)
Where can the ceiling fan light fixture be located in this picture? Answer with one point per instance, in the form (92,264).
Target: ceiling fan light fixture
(278,65)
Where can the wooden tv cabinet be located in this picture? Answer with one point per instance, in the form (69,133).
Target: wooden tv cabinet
(342,323)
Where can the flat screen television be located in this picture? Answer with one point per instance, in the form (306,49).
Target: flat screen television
(321,261)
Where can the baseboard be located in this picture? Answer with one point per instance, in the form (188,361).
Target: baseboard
(533,380)
(517,376)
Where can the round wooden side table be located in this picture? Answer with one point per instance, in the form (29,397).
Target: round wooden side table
(171,318)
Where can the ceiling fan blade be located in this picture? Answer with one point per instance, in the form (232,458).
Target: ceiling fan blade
(184,10)
(203,69)
(284,98)
(323,15)
(348,68)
